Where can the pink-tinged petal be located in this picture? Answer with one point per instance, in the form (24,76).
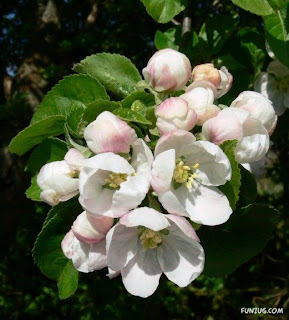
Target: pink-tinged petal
(90,228)
(141,276)
(239,113)
(255,143)
(222,128)
(208,206)
(146,217)
(121,246)
(109,134)
(214,166)
(181,258)
(179,140)
(74,159)
(162,171)
(205,85)
(273,127)
(66,244)
(184,225)
(174,113)
(226,82)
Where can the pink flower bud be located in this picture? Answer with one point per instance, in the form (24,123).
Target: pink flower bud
(259,108)
(207,72)
(173,114)
(74,159)
(167,70)
(90,228)
(200,97)
(109,134)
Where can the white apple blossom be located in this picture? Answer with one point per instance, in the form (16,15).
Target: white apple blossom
(110,185)
(58,180)
(85,243)
(85,257)
(274,85)
(108,133)
(174,113)
(146,243)
(200,96)
(167,70)
(258,106)
(236,123)
(185,176)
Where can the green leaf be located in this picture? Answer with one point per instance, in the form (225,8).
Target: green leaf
(47,251)
(277,4)
(238,240)
(36,133)
(164,11)
(69,97)
(33,192)
(277,34)
(96,108)
(68,281)
(131,116)
(259,7)
(229,61)
(115,72)
(168,39)
(214,33)
(231,188)
(144,97)
(248,190)
(253,46)
(51,149)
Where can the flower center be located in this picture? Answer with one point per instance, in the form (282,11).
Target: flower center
(151,239)
(283,84)
(115,179)
(184,174)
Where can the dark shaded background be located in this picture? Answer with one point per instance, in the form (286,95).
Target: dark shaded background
(40,41)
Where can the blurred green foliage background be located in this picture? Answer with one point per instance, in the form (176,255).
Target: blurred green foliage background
(40,41)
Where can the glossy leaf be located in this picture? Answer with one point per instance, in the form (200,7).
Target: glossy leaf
(238,240)
(164,11)
(115,72)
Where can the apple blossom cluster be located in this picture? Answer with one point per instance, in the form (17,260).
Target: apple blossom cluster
(141,200)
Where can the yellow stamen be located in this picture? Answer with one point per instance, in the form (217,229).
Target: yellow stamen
(185,174)
(150,239)
(115,179)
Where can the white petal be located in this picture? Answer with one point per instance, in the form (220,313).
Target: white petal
(146,217)
(110,162)
(208,206)
(142,157)
(162,171)
(179,140)
(214,166)
(121,246)
(255,143)
(74,159)
(141,276)
(181,258)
